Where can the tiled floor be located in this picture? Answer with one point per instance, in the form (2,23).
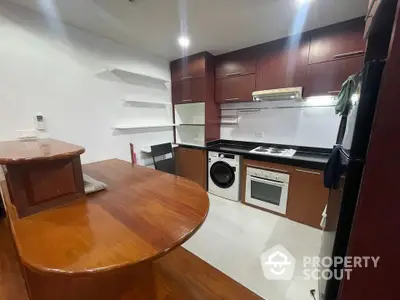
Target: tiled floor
(234,236)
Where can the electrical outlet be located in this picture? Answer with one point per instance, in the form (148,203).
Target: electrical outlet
(259,134)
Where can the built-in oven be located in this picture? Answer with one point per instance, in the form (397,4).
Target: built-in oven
(267,189)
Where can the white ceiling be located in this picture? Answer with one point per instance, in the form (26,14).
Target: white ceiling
(217,26)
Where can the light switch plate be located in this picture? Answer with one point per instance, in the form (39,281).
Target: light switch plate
(40,122)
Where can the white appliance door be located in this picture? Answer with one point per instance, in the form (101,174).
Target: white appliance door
(268,194)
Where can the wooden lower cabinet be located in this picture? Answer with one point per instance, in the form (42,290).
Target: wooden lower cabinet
(191,164)
(307,197)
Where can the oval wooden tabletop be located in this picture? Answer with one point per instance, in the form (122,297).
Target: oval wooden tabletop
(143,215)
(15,152)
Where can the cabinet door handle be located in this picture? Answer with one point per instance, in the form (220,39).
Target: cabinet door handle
(186,77)
(334,92)
(308,172)
(233,74)
(232,99)
(348,54)
(187,100)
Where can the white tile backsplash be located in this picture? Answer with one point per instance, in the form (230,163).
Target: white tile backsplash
(311,123)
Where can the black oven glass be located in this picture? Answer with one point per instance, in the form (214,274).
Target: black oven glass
(266,192)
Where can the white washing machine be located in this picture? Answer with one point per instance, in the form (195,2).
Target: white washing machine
(224,175)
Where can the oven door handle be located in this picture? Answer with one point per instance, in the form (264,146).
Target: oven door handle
(258,179)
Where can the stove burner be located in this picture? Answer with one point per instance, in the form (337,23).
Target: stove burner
(270,150)
(262,149)
(274,151)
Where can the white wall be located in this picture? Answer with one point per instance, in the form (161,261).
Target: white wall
(312,123)
(54,69)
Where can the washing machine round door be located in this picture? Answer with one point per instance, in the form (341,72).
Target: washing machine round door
(222,174)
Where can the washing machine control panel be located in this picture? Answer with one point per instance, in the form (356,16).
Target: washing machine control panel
(230,156)
(222,155)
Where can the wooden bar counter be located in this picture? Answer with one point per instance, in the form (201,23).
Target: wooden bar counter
(102,246)
(42,173)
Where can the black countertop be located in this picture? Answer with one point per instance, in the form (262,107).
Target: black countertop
(192,146)
(305,157)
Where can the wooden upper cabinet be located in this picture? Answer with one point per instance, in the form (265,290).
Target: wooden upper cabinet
(327,78)
(283,63)
(338,41)
(188,91)
(236,63)
(307,197)
(238,88)
(189,67)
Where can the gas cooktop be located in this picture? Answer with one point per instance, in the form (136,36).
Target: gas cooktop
(274,151)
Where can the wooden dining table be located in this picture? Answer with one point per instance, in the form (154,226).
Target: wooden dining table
(103,245)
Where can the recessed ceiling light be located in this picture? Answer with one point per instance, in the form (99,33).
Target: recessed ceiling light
(303,2)
(183,41)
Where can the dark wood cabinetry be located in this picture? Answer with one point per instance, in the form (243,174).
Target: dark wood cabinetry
(238,88)
(188,91)
(235,76)
(319,61)
(307,197)
(338,41)
(236,63)
(193,80)
(192,164)
(189,67)
(336,52)
(283,63)
(327,78)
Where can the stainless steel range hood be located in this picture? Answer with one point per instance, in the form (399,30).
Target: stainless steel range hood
(294,93)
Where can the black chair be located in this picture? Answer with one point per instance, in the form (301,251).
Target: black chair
(163,157)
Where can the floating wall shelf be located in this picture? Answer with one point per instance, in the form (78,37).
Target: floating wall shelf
(122,127)
(228,116)
(227,120)
(125,75)
(150,103)
(229,124)
(187,124)
(225,123)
